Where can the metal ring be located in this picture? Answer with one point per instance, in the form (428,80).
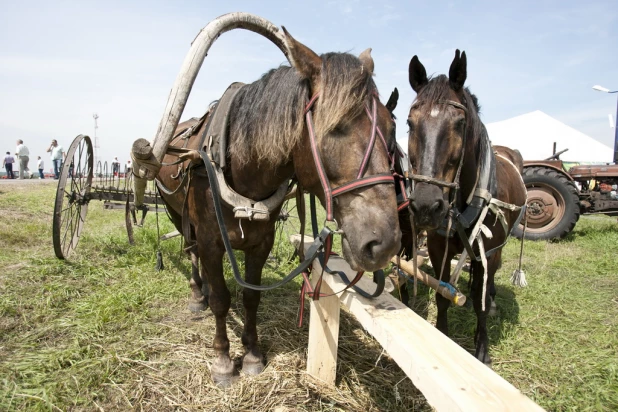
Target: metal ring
(337,230)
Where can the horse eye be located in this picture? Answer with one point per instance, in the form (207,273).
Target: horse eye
(410,126)
(339,129)
(461,124)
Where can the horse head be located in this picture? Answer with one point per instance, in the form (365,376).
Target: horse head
(438,123)
(347,128)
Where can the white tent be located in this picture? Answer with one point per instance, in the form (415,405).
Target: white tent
(534,134)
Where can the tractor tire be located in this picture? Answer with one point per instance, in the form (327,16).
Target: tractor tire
(553,204)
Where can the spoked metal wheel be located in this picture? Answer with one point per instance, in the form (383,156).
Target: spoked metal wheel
(72,196)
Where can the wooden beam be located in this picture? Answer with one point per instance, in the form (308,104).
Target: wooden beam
(449,377)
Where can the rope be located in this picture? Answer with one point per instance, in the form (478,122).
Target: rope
(414,254)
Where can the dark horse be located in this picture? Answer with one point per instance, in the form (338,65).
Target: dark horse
(453,169)
(269,143)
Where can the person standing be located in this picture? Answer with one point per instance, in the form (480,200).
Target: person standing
(40,166)
(7,163)
(115,166)
(22,153)
(57,154)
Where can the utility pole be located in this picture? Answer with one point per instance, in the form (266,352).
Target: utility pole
(606,90)
(96,140)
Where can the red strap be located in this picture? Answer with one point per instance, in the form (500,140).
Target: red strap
(391,158)
(320,168)
(372,141)
(365,181)
(311,102)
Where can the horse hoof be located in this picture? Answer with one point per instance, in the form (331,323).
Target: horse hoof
(252,365)
(224,381)
(223,373)
(252,368)
(493,309)
(198,306)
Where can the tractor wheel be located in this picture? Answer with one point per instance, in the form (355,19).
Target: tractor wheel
(553,204)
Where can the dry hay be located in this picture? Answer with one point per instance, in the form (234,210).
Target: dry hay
(175,374)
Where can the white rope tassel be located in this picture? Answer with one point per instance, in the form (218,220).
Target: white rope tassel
(484,263)
(518,278)
(242,233)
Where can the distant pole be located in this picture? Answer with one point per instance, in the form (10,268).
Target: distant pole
(96,140)
(606,90)
(616,134)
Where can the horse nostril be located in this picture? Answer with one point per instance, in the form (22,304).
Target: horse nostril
(372,248)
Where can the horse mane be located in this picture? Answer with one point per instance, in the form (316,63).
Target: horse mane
(267,117)
(437,90)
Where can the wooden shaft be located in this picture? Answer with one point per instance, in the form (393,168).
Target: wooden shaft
(191,66)
(457,298)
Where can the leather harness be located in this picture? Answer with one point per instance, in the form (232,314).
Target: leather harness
(212,155)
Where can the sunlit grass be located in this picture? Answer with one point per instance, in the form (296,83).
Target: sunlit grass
(103,329)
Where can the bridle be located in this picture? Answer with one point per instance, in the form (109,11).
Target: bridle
(361,180)
(329,193)
(453,186)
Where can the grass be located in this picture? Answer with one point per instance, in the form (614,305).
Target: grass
(103,330)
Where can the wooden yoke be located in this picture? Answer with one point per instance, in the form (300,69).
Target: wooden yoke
(147,156)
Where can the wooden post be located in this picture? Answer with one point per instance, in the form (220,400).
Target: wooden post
(323,327)
(323,335)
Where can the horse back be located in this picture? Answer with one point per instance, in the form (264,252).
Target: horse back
(511,188)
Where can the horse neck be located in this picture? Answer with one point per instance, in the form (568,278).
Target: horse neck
(257,180)
(469,169)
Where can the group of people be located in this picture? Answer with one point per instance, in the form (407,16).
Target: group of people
(22,154)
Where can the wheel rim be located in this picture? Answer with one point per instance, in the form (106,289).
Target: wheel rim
(546,208)
(72,196)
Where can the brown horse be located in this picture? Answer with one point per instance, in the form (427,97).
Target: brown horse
(269,143)
(455,173)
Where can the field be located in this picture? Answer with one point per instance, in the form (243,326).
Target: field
(104,331)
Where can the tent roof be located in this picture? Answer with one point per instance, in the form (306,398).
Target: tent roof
(534,134)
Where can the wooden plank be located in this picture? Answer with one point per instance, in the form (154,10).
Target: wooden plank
(450,378)
(323,336)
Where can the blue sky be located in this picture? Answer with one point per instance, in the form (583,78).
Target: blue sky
(62,61)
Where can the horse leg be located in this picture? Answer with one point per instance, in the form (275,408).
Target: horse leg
(403,291)
(436,255)
(480,336)
(493,309)
(198,300)
(253,361)
(211,259)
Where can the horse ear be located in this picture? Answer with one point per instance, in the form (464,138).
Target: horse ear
(459,71)
(305,61)
(367,60)
(392,101)
(417,74)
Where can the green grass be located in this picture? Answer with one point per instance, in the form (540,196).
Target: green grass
(103,330)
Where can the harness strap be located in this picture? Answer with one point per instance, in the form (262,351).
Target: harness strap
(372,141)
(323,259)
(362,182)
(312,253)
